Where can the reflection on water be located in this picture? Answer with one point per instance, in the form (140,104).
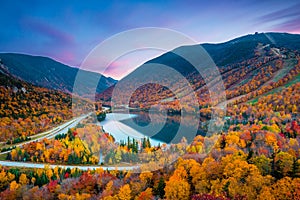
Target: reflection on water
(168,128)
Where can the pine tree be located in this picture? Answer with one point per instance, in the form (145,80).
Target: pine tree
(160,189)
(148,143)
(128,142)
(144,143)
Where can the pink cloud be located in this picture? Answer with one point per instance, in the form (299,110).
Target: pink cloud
(51,32)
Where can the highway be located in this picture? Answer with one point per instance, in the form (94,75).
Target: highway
(63,128)
(40,165)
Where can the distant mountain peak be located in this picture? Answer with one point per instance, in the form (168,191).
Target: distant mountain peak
(243,54)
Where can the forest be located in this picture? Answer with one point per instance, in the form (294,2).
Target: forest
(27,110)
(256,155)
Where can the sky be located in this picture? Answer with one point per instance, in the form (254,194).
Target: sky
(67,32)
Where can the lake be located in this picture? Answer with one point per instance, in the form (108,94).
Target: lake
(159,127)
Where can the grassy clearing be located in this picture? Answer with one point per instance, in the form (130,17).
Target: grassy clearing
(3,156)
(276,90)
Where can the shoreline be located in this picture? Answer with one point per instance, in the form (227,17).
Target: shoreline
(120,131)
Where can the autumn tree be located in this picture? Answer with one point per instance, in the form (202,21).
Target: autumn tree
(178,187)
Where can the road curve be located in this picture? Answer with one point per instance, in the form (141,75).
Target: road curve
(52,133)
(63,128)
(40,165)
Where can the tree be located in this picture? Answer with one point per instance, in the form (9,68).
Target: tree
(262,163)
(283,164)
(266,194)
(178,187)
(49,174)
(148,143)
(145,195)
(241,179)
(286,188)
(108,191)
(160,189)
(14,186)
(145,178)
(200,177)
(125,192)
(23,179)
(5,179)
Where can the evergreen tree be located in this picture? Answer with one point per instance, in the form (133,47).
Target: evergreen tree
(160,189)
(148,143)
(128,142)
(144,143)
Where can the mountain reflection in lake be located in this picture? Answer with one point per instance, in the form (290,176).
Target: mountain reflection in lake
(168,128)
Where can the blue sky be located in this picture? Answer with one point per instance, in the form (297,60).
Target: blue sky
(68,31)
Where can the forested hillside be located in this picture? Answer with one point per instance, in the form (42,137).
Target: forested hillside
(27,109)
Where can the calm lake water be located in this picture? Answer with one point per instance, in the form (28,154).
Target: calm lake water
(160,127)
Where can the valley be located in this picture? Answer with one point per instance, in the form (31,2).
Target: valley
(163,142)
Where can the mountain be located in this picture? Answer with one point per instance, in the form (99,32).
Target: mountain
(242,48)
(247,64)
(233,51)
(27,109)
(48,73)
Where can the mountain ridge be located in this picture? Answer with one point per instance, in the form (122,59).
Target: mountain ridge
(246,57)
(49,73)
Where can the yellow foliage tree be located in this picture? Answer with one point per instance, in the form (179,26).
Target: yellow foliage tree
(49,174)
(178,187)
(14,186)
(241,179)
(5,179)
(23,179)
(124,193)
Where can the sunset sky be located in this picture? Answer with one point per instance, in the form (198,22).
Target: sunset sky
(67,32)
